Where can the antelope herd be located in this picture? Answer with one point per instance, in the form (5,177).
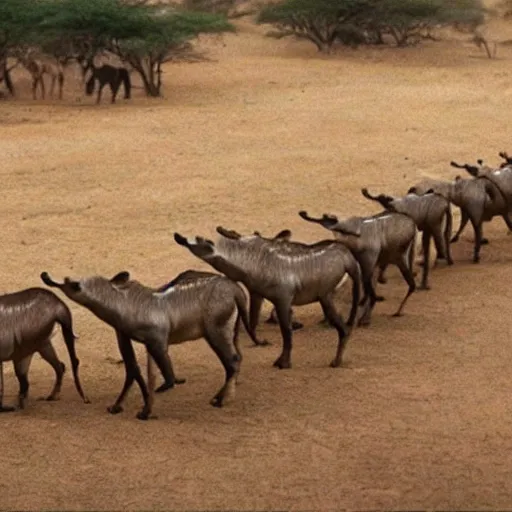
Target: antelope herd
(287,273)
(39,65)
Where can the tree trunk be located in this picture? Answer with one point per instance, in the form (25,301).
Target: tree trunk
(148,80)
(322,46)
(5,76)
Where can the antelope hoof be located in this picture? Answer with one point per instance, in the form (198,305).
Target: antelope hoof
(363,322)
(449,262)
(262,343)
(484,241)
(115,409)
(282,363)
(51,398)
(7,408)
(424,287)
(297,325)
(271,320)
(335,363)
(325,324)
(142,415)
(165,386)
(476,259)
(379,298)
(217,401)
(397,314)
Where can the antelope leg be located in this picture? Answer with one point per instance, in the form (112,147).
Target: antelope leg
(3,408)
(336,321)
(283,314)
(407,274)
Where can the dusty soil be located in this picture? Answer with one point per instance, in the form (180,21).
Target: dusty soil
(419,417)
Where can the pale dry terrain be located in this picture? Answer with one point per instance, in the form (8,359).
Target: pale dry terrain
(419,417)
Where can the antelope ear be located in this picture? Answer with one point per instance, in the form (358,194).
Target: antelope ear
(228,233)
(74,285)
(121,278)
(285,234)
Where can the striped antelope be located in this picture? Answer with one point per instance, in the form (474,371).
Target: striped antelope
(286,274)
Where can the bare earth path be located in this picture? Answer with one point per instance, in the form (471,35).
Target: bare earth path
(420,418)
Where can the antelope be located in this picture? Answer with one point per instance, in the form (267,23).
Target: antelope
(378,240)
(478,198)
(27,320)
(286,274)
(429,211)
(41,65)
(209,306)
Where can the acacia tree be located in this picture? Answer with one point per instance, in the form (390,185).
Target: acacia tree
(315,20)
(325,21)
(144,36)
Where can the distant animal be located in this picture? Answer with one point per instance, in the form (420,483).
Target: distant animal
(286,274)
(27,320)
(107,74)
(40,65)
(192,306)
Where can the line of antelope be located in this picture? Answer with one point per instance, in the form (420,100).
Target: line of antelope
(285,272)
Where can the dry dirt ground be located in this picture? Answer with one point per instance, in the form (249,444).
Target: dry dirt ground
(419,417)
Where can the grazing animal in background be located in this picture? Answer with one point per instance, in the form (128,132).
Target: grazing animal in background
(41,65)
(106,74)
(27,320)
(430,212)
(379,240)
(286,274)
(192,306)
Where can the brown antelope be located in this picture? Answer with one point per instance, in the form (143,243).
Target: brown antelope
(27,320)
(40,65)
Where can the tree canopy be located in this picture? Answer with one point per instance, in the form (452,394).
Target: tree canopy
(325,21)
(142,35)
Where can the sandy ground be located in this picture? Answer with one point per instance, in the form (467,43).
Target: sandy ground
(419,417)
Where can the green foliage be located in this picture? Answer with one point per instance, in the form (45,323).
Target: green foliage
(316,20)
(322,20)
(215,6)
(19,21)
(104,20)
(139,33)
(330,10)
